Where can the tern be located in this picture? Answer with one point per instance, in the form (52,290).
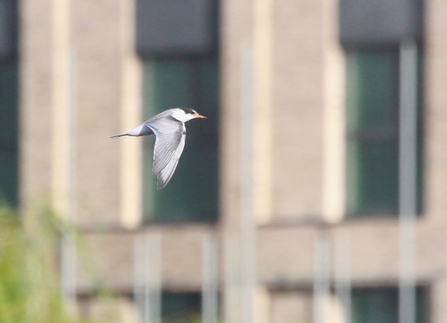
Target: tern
(169,130)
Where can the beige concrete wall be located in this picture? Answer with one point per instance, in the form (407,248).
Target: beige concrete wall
(109,256)
(297,107)
(290,99)
(116,310)
(235,31)
(288,45)
(285,256)
(437,297)
(109,101)
(291,307)
(80,85)
(96,37)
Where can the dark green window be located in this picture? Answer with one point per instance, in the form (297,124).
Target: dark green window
(181,307)
(381,305)
(191,82)
(9,131)
(373,132)
(9,87)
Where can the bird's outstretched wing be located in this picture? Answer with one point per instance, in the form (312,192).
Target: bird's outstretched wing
(169,143)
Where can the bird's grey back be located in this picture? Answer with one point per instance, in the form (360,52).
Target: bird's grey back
(160,115)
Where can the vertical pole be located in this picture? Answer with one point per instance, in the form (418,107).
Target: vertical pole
(343,276)
(407,180)
(72,148)
(147,277)
(138,280)
(68,268)
(153,296)
(445,277)
(210,283)
(68,239)
(232,293)
(321,284)
(157,283)
(246,177)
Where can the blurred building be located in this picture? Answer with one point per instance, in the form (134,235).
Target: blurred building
(296,170)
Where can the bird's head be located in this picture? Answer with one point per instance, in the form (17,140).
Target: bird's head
(186,114)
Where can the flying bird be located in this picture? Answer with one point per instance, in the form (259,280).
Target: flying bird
(169,130)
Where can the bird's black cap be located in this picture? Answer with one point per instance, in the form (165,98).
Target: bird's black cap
(188,110)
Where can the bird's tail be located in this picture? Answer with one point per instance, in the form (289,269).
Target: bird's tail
(120,135)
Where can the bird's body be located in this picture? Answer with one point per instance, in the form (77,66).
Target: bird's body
(170,132)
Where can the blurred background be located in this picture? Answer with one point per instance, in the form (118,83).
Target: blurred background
(314,192)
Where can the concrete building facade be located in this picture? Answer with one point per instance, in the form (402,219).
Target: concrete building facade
(283,171)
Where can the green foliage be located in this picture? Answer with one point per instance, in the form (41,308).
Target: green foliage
(29,281)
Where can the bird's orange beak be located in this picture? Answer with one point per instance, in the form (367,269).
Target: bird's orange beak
(201,117)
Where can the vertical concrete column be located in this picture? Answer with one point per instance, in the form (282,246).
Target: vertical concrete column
(108,96)
(131,115)
(333,127)
(61,51)
(35,79)
(262,117)
(435,110)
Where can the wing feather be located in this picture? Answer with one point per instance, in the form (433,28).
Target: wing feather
(169,143)
(165,147)
(166,173)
